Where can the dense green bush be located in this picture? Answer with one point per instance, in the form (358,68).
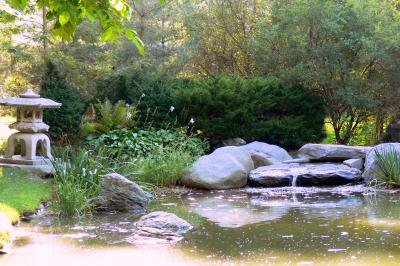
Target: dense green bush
(253,109)
(125,143)
(152,93)
(64,122)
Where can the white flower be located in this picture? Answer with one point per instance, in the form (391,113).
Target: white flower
(128,115)
(171,109)
(191,121)
(143,95)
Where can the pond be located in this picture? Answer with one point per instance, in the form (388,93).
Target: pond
(286,226)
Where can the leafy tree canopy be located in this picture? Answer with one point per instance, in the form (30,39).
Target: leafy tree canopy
(67,15)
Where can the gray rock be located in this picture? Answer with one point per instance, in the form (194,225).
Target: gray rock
(332,152)
(371,168)
(117,193)
(159,228)
(298,160)
(308,174)
(234,142)
(278,175)
(225,168)
(354,163)
(266,154)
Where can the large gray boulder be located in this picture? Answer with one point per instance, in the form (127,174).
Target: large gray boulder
(227,167)
(307,174)
(159,228)
(371,168)
(332,152)
(117,193)
(266,154)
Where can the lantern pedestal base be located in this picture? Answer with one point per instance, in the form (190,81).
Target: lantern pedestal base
(18,159)
(32,171)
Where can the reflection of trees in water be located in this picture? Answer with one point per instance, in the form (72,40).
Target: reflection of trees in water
(236,213)
(383,206)
(230,211)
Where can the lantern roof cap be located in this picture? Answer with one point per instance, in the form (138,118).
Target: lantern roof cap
(29,99)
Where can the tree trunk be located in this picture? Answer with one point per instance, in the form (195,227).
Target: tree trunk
(44,36)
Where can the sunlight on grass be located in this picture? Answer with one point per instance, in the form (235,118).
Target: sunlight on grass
(21,193)
(10,213)
(330,133)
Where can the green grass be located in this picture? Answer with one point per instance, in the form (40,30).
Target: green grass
(77,179)
(165,168)
(389,164)
(21,193)
(330,133)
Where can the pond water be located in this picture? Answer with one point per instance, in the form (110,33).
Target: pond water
(287,226)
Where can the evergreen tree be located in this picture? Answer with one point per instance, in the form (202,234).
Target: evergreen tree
(64,122)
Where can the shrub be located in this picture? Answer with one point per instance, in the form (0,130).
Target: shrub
(153,94)
(388,161)
(65,121)
(125,144)
(77,177)
(253,109)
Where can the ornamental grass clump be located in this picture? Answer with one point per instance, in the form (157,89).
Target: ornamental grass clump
(77,178)
(164,167)
(388,161)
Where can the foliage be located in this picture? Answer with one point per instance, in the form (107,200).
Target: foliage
(164,167)
(338,50)
(388,161)
(77,174)
(67,15)
(22,193)
(151,92)
(124,143)
(64,122)
(253,109)
(106,117)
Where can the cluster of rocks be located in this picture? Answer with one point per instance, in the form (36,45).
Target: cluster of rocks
(119,194)
(263,165)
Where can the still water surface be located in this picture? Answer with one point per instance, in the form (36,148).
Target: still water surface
(290,226)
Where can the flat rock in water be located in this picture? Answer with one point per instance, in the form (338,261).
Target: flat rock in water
(225,168)
(332,152)
(308,174)
(117,193)
(266,154)
(159,228)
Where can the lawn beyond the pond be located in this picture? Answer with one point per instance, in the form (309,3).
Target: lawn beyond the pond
(21,193)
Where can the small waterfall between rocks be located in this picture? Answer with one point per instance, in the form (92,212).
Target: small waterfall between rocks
(294,181)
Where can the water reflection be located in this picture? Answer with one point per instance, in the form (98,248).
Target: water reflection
(289,226)
(231,213)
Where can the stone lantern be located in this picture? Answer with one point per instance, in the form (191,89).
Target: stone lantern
(35,145)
